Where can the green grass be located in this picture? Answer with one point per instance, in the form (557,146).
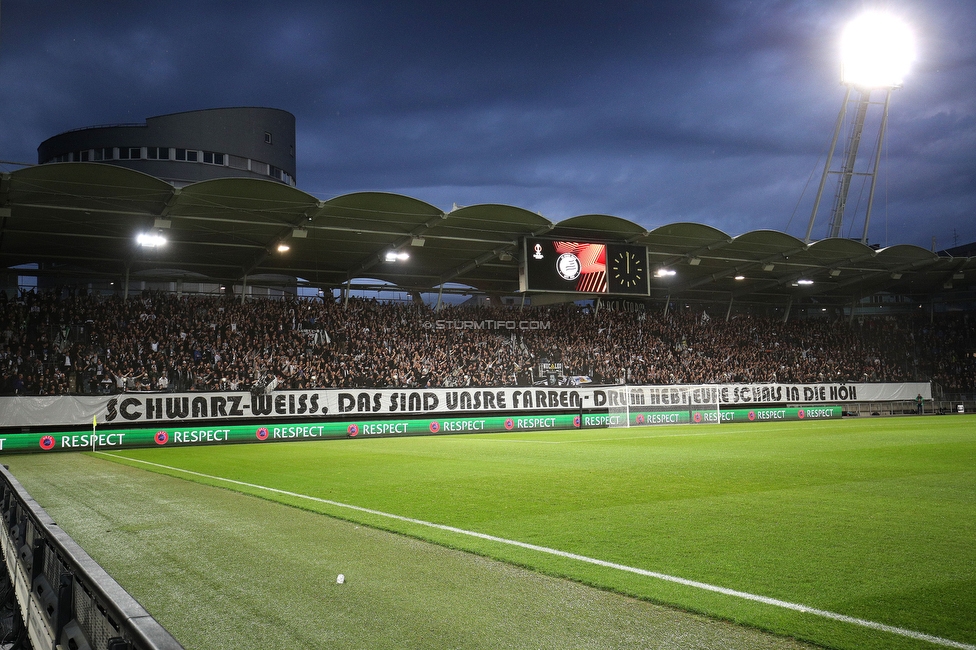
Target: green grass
(222,570)
(874,519)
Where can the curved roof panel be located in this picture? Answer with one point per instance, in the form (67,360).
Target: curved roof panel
(80,220)
(597,226)
(87,186)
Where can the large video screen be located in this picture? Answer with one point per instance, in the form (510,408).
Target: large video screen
(584,267)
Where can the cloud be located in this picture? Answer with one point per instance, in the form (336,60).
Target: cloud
(716,111)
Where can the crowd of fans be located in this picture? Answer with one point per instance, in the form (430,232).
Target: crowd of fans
(59,343)
(947,349)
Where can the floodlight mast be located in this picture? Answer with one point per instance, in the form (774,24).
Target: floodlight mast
(847,171)
(876,50)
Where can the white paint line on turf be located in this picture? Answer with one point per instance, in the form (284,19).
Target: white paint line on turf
(626,438)
(948,643)
(582,440)
(502,437)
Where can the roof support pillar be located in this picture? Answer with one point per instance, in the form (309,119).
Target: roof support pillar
(667,304)
(243,288)
(789,305)
(125,284)
(728,312)
(440,295)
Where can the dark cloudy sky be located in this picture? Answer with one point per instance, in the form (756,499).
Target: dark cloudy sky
(718,112)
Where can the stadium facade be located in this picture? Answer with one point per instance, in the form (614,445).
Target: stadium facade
(184,148)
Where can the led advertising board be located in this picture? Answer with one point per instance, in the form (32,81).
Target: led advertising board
(584,267)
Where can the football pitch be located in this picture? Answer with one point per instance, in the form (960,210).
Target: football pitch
(846,534)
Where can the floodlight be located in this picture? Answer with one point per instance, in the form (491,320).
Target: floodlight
(151,239)
(393,256)
(283,247)
(804,282)
(662,273)
(740,277)
(876,51)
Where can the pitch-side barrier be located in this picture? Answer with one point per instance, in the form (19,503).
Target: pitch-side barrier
(211,433)
(65,599)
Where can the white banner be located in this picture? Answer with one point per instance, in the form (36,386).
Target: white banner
(141,408)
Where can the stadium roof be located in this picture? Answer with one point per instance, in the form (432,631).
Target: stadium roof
(80,220)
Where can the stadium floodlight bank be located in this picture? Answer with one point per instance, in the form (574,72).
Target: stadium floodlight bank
(65,599)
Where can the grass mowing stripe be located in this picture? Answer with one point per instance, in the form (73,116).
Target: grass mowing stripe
(621,438)
(626,438)
(582,558)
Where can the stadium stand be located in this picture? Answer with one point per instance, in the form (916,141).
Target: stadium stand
(59,342)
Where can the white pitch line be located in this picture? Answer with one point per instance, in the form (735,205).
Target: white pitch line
(625,438)
(582,440)
(920,636)
(500,437)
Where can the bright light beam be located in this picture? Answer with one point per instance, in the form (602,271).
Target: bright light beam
(151,240)
(877,50)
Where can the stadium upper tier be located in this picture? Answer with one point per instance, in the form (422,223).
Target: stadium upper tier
(79,221)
